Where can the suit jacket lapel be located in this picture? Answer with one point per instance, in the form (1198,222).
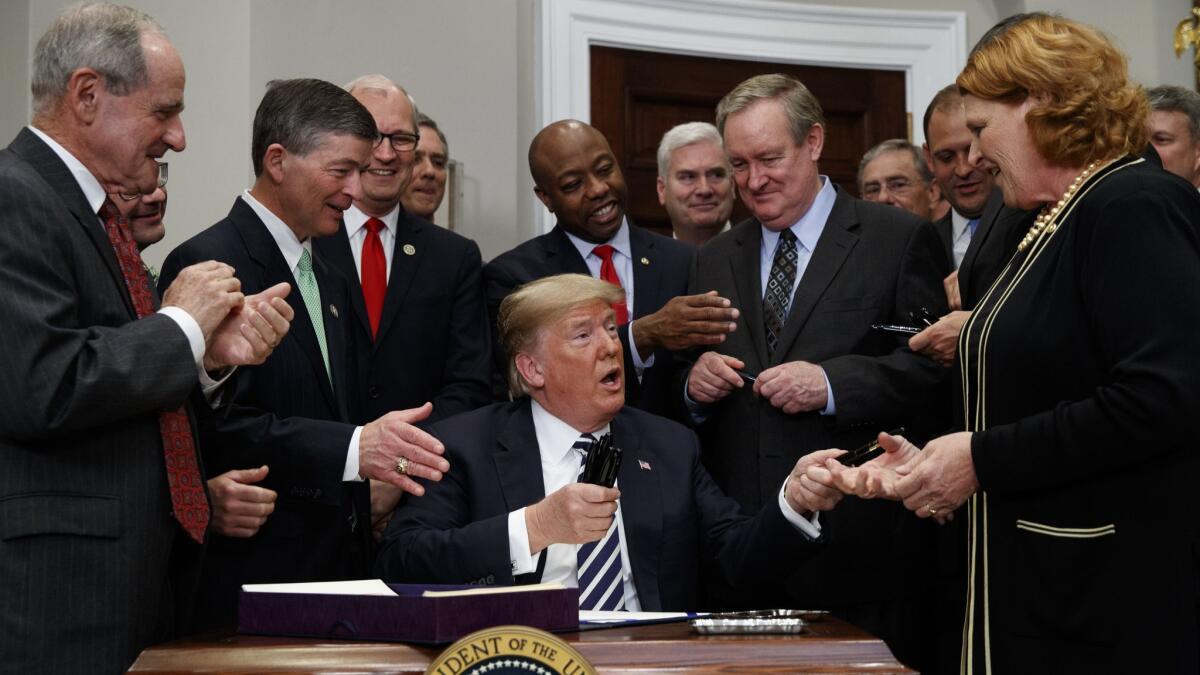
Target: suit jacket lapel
(519,467)
(646,276)
(945,230)
(336,251)
(404,268)
(261,247)
(747,278)
(56,174)
(561,253)
(987,219)
(331,316)
(833,247)
(641,510)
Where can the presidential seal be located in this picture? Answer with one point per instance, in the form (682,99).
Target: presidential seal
(506,650)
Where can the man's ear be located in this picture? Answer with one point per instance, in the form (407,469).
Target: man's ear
(662,191)
(816,140)
(541,194)
(273,162)
(530,370)
(82,98)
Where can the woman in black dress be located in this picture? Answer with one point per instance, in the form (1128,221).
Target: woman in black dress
(1081,377)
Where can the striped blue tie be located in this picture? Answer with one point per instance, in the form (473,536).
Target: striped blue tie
(599,562)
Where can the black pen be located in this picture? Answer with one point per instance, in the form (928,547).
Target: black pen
(868,452)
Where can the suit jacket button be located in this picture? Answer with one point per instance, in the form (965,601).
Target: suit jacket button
(373,391)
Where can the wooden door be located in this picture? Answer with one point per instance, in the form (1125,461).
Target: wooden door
(637,96)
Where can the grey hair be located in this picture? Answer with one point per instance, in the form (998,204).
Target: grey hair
(896,145)
(424,120)
(297,114)
(802,108)
(104,37)
(684,135)
(1170,98)
(381,83)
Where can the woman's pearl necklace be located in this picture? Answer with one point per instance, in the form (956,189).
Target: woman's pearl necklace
(1045,220)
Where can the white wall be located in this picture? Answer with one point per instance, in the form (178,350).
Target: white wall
(469,64)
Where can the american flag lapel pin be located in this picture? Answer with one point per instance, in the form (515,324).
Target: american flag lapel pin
(643,465)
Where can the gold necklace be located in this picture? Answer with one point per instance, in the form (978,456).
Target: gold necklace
(1045,222)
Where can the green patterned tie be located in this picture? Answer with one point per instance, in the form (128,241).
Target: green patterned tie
(312,301)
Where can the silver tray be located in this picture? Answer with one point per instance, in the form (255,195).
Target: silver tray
(757,622)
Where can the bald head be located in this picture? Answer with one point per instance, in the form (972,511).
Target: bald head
(576,176)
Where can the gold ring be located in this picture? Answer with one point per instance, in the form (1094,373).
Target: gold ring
(402,466)
(932,511)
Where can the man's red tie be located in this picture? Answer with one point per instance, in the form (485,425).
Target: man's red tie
(188,501)
(608,272)
(374,273)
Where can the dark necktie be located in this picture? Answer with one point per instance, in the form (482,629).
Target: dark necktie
(374,273)
(608,272)
(601,583)
(188,501)
(779,288)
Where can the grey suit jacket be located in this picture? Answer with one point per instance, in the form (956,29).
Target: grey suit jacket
(86,532)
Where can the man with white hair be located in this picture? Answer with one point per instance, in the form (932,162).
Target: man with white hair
(694,182)
(103,511)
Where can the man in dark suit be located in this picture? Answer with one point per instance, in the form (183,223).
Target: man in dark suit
(420,323)
(512,511)
(310,141)
(102,506)
(812,271)
(578,179)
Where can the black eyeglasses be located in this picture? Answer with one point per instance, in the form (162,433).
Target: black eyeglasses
(162,182)
(401,140)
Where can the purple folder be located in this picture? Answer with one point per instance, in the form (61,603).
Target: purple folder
(408,617)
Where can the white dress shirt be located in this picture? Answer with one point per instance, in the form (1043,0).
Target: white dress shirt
(356,230)
(560,467)
(291,247)
(623,262)
(95,195)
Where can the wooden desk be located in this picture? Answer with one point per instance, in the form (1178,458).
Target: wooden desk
(830,647)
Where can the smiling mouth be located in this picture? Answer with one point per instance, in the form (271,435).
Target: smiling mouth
(385,173)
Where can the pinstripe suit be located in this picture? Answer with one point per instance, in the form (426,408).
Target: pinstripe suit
(87,540)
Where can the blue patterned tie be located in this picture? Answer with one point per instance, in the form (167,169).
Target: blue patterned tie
(599,562)
(779,288)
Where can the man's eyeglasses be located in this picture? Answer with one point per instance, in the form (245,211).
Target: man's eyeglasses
(896,186)
(401,140)
(162,182)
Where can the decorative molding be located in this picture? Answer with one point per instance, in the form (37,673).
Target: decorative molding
(930,47)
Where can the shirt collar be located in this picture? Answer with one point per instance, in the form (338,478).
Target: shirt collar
(289,245)
(808,229)
(355,219)
(958,224)
(619,242)
(556,437)
(92,191)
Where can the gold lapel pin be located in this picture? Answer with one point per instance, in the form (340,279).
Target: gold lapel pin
(409,249)
(645,260)
(333,310)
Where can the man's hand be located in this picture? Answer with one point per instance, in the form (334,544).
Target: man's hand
(806,495)
(940,479)
(953,298)
(685,321)
(793,387)
(249,334)
(239,507)
(393,436)
(573,514)
(384,498)
(713,377)
(207,291)
(875,479)
(940,341)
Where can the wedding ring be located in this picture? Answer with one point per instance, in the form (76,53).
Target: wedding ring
(932,511)
(402,466)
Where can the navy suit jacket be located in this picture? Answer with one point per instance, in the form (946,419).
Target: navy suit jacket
(285,413)
(675,516)
(660,272)
(433,342)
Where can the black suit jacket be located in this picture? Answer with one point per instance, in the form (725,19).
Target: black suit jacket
(872,264)
(674,514)
(993,245)
(86,533)
(945,230)
(660,269)
(433,342)
(286,414)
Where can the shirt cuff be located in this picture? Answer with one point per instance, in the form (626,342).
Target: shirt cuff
(350,473)
(195,338)
(830,406)
(809,526)
(637,358)
(518,544)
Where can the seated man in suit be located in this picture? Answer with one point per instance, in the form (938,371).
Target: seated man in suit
(511,510)
(577,177)
(310,141)
(895,173)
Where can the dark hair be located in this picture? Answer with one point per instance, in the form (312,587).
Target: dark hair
(941,101)
(298,113)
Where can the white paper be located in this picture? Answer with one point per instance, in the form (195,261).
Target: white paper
(356,587)
(597,616)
